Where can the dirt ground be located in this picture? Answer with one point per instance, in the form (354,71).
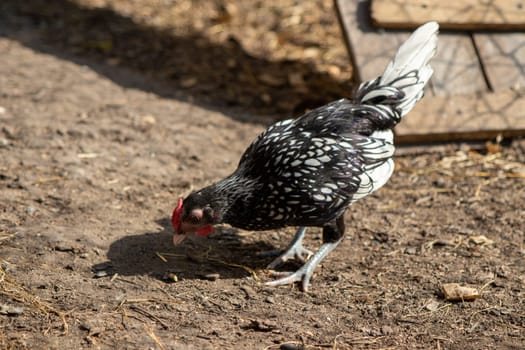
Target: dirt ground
(111,110)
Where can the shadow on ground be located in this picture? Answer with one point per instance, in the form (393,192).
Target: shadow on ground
(222,75)
(222,254)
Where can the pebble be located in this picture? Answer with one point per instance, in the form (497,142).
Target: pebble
(211,276)
(386,330)
(289,346)
(30,211)
(250,293)
(269,300)
(188,82)
(63,247)
(100,274)
(432,306)
(11,310)
(170,277)
(411,251)
(440,183)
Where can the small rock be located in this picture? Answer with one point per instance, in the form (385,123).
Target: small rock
(432,306)
(211,276)
(269,300)
(271,80)
(440,183)
(266,98)
(188,82)
(480,240)
(4,143)
(261,325)
(9,132)
(334,70)
(5,266)
(2,110)
(520,170)
(296,79)
(411,251)
(311,52)
(250,293)
(289,346)
(386,330)
(147,122)
(11,310)
(91,326)
(100,274)
(170,277)
(63,247)
(30,210)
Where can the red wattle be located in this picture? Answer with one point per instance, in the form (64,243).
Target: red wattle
(204,231)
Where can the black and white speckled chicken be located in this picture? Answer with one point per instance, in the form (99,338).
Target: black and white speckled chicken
(307,171)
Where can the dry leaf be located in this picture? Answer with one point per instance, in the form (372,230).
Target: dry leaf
(480,240)
(457,292)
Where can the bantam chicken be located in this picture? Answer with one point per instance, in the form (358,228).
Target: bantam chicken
(306,172)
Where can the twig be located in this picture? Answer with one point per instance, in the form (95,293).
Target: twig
(150,315)
(364,340)
(245,268)
(152,335)
(161,257)
(113,277)
(18,293)
(173,255)
(5,236)
(335,341)
(49,179)
(486,285)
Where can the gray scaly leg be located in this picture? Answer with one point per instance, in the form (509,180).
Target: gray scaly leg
(304,273)
(294,251)
(332,236)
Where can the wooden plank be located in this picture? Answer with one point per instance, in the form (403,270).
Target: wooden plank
(464,117)
(503,57)
(456,65)
(457,14)
(370,50)
(457,69)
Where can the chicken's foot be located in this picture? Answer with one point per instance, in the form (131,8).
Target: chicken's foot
(304,273)
(294,251)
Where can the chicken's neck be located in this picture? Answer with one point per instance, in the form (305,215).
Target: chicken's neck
(232,195)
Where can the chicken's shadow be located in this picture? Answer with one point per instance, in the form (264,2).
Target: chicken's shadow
(222,255)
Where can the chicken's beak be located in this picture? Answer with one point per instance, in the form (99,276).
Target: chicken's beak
(178,238)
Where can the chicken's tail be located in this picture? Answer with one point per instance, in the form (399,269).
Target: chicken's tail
(394,94)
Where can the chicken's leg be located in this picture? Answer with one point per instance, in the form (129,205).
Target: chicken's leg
(294,251)
(332,236)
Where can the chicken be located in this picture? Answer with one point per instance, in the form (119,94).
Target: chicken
(306,172)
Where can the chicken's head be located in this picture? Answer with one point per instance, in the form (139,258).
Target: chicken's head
(190,217)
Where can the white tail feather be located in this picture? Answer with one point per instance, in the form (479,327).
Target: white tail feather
(413,56)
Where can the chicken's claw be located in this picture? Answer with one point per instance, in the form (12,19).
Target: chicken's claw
(305,272)
(294,251)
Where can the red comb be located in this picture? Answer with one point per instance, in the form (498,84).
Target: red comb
(175,217)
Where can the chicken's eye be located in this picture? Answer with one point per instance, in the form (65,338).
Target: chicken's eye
(194,219)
